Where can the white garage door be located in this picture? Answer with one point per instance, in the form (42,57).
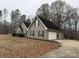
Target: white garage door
(52,35)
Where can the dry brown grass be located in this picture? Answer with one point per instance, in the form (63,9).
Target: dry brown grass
(22,47)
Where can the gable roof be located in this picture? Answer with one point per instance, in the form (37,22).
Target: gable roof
(20,27)
(48,24)
(27,24)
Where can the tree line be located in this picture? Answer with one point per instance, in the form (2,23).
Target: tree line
(16,19)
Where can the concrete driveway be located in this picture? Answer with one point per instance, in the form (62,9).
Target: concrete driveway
(69,49)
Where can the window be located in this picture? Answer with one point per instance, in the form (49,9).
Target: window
(37,23)
(26,32)
(40,33)
(32,33)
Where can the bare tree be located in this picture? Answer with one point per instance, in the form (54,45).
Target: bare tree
(12,20)
(61,14)
(0,15)
(5,14)
(43,11)
(75,17)
(15,17)
(22,19)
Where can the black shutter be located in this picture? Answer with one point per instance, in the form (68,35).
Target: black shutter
(38,23)
(42,33)
(38,33)
(33,33)
(26,32)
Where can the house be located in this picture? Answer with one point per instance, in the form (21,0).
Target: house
(41,28)
(19,30)
(22,28)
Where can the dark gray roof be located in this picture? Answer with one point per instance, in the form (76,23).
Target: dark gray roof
(20,27)
(27,24)
(48,23)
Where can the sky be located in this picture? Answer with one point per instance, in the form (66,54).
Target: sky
(29,7)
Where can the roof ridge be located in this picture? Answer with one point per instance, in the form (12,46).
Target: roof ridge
(21,28)
(48,24)
(27,24)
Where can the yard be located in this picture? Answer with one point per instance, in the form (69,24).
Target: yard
(23,47)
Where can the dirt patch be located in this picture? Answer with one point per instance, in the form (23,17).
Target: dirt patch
(23,47)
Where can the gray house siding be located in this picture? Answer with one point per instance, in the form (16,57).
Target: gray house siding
(37,29)
(18,30)
(24,28)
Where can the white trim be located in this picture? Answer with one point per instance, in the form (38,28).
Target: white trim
(18,30)
(30,24)
(20,27)
(25,25)
(42,23)
(36,23)
(33,22)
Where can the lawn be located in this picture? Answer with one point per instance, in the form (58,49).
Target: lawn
(23,47)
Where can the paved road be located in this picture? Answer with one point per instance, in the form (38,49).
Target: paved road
(69,49)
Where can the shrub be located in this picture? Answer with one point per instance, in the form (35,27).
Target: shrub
(13,34)
(18,35)
(21,35)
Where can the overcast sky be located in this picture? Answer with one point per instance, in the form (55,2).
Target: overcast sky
(29,7)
